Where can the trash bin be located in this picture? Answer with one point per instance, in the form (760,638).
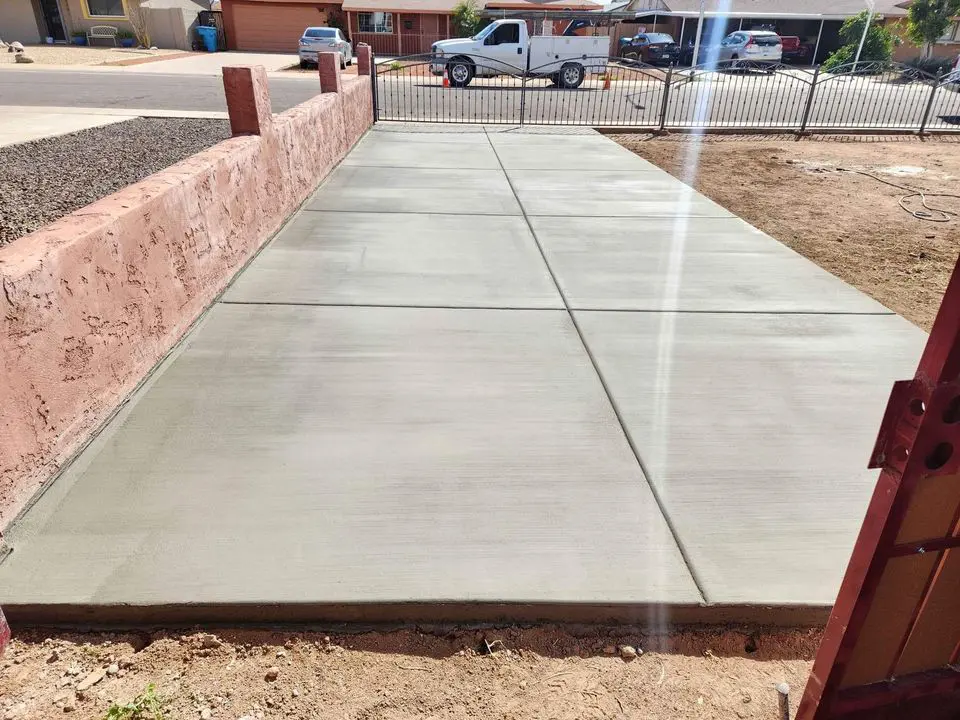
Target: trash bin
(209,36)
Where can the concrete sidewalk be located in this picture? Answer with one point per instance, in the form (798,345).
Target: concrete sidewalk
(19,125)
(486,375)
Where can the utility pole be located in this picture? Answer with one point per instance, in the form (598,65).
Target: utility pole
(866,26)
(696,40)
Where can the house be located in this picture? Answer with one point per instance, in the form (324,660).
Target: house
(390,27)
(948,46)
(816,22)
(170,23)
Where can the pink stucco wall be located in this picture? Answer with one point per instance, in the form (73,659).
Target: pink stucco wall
(92,301)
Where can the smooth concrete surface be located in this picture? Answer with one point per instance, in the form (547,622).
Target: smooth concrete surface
(635,193)
(386,149)
(213,63)
(416,189)
(756,430)
(307,446)
(687,264)
(303,454)
(400,259)
(25,125)
(528,151)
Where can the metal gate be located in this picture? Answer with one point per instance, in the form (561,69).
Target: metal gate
(617,92)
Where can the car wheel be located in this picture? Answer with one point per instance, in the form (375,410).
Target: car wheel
(460,72)
(304,64)
(571,76)
(631,56)
(343,63)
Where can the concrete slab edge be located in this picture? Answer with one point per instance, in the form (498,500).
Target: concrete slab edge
(654,617)
(141,265)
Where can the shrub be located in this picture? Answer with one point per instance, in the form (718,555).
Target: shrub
(878,46)
(932,65)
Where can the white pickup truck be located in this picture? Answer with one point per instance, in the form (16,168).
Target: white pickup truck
(504,48)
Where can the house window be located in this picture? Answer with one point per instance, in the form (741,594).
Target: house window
(376,22)
(952,33)
(105,8)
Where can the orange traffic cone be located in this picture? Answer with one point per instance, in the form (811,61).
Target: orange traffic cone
(446,78)
(606,81)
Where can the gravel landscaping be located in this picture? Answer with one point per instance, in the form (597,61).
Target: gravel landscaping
(46,179)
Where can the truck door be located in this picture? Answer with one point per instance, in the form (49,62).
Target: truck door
(504,48)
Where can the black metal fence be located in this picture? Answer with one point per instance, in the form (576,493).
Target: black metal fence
(615,92)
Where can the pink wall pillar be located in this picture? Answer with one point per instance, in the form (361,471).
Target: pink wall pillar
(248,99)
(364,55)
(329,68)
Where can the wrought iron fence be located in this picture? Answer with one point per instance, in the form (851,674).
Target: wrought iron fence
(615,92)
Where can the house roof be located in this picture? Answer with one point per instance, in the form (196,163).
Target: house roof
(784,8)
(405,6)
(447,6)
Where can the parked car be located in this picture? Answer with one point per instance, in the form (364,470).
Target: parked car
(795,51)
(952,81)
(652,48)
(324,39)
(504,47)
(757,46)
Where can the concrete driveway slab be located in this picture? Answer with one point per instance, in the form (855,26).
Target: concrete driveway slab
(400,259)
(357,455)
(24,125)
(213,63)
(614,193)
(527,151)
(689,264)
(756,429)
(380,149)
(413,190)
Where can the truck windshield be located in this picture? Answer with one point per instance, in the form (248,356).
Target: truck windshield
(483,33)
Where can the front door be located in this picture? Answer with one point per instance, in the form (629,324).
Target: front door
(53,20)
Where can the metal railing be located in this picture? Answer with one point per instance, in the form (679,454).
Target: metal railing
(613,92)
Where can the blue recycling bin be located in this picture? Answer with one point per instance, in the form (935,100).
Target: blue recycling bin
(209,36)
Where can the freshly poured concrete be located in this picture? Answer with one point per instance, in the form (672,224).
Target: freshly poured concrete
(416,190)
(401,259)
(392,407)
(632,194)
(756,430)
(687,263)
(305,454)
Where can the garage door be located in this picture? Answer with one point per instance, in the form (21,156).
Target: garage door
(271,26)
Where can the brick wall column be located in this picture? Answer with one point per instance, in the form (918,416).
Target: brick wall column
(248,99)
(363,59)
(328,65)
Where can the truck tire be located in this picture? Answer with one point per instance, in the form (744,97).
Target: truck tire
(460,72)
(571,76)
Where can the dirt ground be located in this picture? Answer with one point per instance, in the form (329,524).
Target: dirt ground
(849,224)
(510,673)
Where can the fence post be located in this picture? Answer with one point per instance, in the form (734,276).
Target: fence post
(373,84)
(666,99)
(926,111)
(248,99)
(523,87)
(809,105)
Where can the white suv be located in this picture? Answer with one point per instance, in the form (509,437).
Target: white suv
(761,46)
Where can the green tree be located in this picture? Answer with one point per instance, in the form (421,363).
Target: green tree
(878,45)
(928,20)
(466,19)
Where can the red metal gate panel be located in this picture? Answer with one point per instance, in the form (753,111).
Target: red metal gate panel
(892,644)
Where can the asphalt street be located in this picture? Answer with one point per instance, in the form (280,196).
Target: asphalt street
(76,88)
(716,99)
